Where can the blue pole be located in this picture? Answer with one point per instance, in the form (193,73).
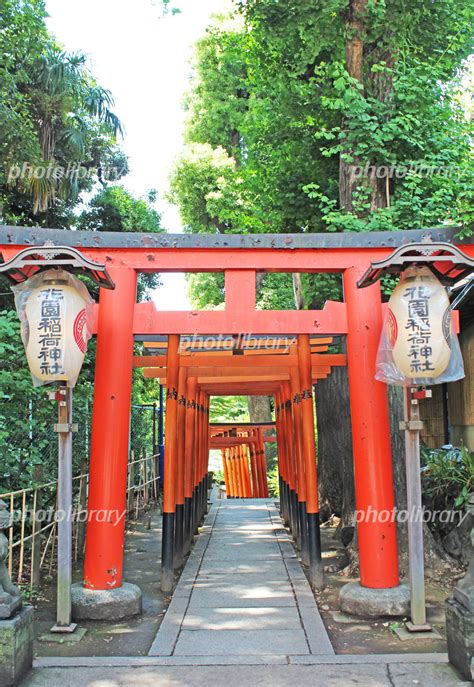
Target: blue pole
(160,437)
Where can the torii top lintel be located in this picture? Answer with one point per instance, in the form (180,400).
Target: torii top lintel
(332,252)
(239,257)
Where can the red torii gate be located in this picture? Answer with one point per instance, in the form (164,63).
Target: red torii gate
(288,368)
(359,318)
(235,440)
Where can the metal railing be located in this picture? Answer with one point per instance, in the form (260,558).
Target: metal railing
(32,537)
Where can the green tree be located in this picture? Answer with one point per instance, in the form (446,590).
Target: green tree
(304,97)
(58,129)
(113,208)
(229,409)
(23,36)
(343,115)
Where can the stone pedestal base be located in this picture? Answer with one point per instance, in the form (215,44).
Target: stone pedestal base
(367,602)
(107,604)
(460,636)
(16,646)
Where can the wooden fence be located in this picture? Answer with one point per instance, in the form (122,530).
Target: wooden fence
(32,537)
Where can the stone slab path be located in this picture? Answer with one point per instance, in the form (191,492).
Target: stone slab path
(242,592)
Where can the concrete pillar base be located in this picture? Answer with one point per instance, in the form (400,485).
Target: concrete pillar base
(368,602)
(106,604)
(16,646)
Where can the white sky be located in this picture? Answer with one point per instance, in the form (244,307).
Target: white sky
(143,59)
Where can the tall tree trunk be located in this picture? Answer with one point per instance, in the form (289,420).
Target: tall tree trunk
(356,38)
(350,173)
(298,290)
(260,410)
(335,464)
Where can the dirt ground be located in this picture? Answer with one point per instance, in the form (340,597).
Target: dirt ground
(350,635)
(130,637)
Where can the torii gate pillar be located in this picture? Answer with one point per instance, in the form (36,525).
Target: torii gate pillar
(379,591)
(103,594)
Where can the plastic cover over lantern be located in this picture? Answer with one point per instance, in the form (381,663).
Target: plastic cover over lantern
(418,345)
(55,311)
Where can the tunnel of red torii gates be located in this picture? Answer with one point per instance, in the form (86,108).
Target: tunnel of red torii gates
(288,355)
(243,457)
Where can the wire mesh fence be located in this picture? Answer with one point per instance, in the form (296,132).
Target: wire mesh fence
(29,444)
(144,425)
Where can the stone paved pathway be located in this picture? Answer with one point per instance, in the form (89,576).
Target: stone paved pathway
(242,592)
(243,614)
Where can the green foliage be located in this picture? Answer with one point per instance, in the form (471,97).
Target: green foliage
(58,128)
(276,292)
(273,482)
(321,287)
(22,37)
(27,416)
(206,290)
(144,390)
(114,208)
(218,477)
(229,409)
(448,476)
(211,195)
(274,114)
(222,70)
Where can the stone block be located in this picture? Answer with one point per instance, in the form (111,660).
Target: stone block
(460,636)
(16,646)
(105,604)
(367,602)
(241,642)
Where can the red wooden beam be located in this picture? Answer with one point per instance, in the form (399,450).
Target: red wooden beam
(240,362)
(331,320)
(147,260)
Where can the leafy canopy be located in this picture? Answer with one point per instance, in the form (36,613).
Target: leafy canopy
(274,113)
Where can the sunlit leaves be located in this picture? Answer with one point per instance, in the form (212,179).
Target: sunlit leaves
(53,116)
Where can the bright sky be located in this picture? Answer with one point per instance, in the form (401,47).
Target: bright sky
(143,58)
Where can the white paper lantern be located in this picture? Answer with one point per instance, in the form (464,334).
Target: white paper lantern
(419,325)
(53,310)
